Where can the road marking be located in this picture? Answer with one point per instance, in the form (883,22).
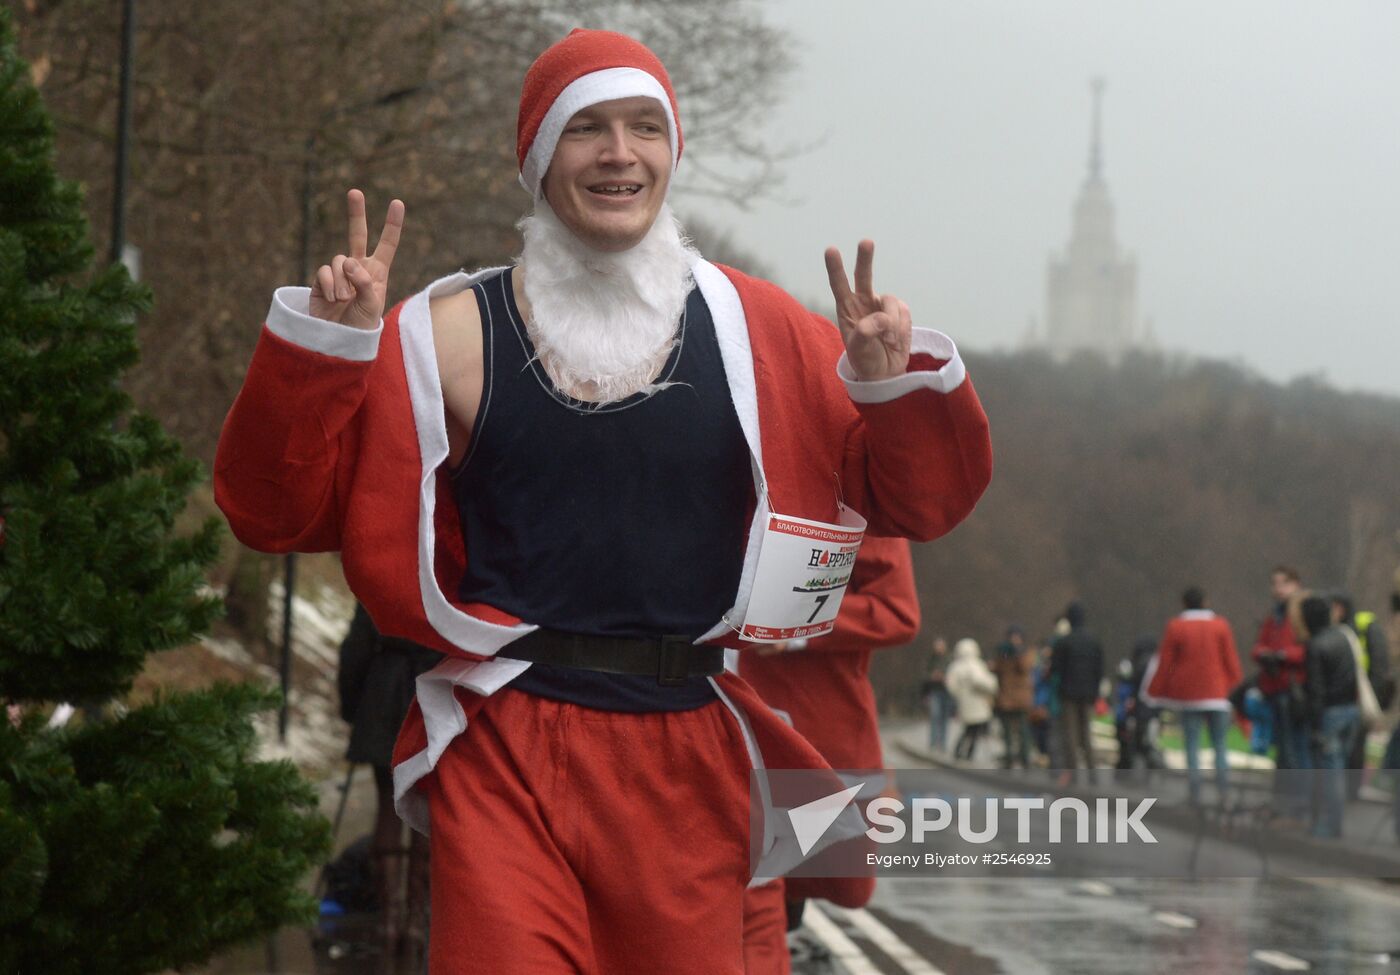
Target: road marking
(1174,920)
(889,942)
(1279,959)
(840,946)
(1096,887)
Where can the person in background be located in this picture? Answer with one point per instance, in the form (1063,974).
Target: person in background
(1332,703)
(1077,667)
(1391,761)
(974,687)
(1014,667)
(1135,721)
(1124,705)
(1044,707)
(1369,631)
(1196,668)
(1279,652)
(376,684)
(823,686)
(1147,719)
(936,697)
(1261,721)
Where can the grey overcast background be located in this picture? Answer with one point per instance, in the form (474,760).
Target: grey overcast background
(1252,152)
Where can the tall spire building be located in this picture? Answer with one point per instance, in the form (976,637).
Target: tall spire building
(1091,288)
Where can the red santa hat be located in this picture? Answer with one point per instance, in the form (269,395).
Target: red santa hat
(585,68)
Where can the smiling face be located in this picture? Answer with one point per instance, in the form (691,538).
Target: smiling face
(607,179)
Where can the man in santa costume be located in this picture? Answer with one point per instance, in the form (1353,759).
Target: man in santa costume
(822,686)
(561,475)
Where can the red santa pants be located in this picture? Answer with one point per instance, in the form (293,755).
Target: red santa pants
(765,931)
(841,891)
(572,840)
(765,915)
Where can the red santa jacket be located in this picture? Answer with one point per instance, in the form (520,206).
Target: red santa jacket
(1197,665)
(337,438)
(1279,653)
(824,687)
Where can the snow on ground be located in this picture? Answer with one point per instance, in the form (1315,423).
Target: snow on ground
(316,735)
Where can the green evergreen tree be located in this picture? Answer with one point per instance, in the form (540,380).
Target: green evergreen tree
(150,840)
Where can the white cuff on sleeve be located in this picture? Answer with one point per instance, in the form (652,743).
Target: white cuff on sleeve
(925,341)
(288,318)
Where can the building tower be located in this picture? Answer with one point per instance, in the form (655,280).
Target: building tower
(1091,289)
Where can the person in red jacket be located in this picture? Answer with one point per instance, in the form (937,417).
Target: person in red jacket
(1280,654)
(1196,667)
(823,686)
(564,475)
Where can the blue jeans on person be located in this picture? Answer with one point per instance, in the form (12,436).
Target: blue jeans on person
(939,711)
(1391,762)
(1339,724)
(1293,755)
(1218,725)
(1016,738)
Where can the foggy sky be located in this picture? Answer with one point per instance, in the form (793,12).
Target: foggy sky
(1251,149)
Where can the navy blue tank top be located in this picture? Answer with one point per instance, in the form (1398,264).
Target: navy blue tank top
(622,520)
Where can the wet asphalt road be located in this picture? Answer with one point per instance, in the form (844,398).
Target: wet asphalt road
(1055,926)
(965,926)
(1022,926)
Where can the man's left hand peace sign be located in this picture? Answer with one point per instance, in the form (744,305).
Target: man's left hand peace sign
(877,329)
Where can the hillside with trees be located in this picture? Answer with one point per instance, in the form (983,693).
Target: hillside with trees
(1121,486)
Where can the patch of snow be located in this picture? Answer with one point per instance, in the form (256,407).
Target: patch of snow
(318,626)
(316,736)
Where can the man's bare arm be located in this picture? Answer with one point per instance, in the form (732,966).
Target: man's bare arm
(457,339)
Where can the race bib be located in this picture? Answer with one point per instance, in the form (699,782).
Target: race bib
(803,570)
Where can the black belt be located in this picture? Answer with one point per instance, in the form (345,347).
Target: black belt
(670,659)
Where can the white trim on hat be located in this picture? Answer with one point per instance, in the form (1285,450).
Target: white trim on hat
(590,89)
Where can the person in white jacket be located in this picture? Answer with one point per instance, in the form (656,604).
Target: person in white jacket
(973,686)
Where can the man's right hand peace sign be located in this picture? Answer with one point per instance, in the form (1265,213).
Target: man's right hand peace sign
(351,289)
(877,328)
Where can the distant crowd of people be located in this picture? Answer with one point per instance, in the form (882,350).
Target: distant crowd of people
(1323,684)
(1043,696)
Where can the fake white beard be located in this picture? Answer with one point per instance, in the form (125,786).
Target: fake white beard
(604,323)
